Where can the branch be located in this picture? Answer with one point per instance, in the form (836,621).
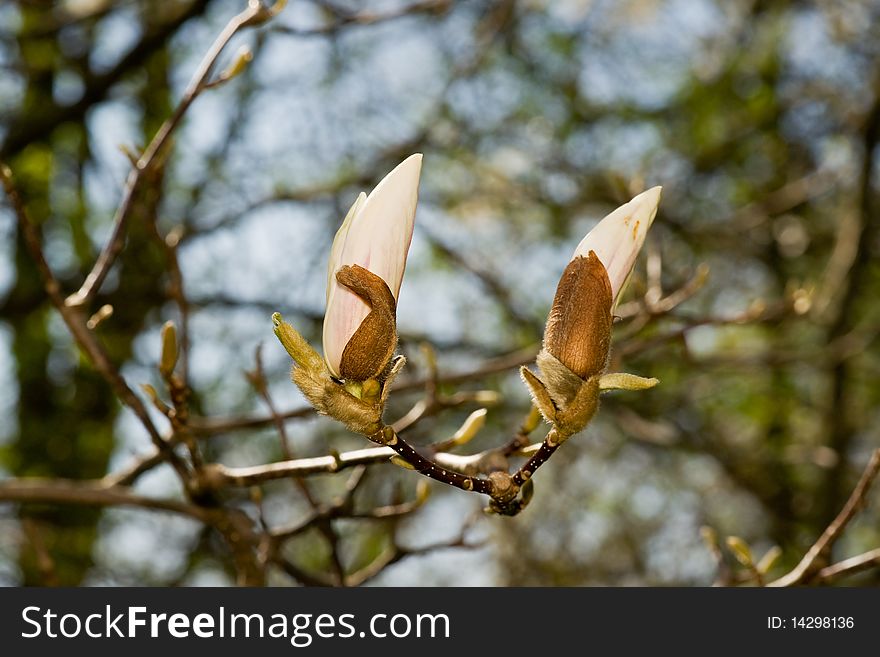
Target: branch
(76,324)
(849,566)
(811,564)
(90,493)
(254,14)
(396,553)
(29,128)
(218,475)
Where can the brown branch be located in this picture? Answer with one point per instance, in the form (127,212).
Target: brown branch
(396,553)
(76,324)
(812,564)
(151,156)
(92,493)
(849,566)
(131,473)
(25,129)
(207,426)
(431,468)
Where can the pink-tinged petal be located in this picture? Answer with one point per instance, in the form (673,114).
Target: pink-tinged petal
(377,238)
(619,237)
(333,263)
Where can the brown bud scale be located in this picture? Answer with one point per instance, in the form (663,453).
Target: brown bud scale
(578,331)
(370,348)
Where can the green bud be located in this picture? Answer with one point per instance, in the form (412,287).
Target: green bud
(169,349)
(296,345)
(624,381)
(741,550)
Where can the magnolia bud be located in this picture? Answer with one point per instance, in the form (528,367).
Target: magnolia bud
(578,332)
(577,338)
(365,270)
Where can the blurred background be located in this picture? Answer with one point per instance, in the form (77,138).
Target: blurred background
(754,301)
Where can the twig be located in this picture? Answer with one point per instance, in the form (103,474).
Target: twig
(257,378)
(433,469)
(177,292)
(76,324)
(91,493)
(95,278)
(849,566)
(539,458)
(811,564)
(220,475)
(396,553)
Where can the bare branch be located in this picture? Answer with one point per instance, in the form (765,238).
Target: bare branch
(76,323)
(849,566)
(811,564)
(90,493)
(152,155)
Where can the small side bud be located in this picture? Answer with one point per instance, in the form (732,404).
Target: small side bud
(533,419)
(487,397)
(168,360)
(741,550)
(470,427)
(150,391)
(710,537)
(129,153)
(370,390)
(243,57)
(262,13)
(528,491)
(398,461)
(102,313)
(769,558)
(296,345)
(161,406)
(423,492)
(624,381)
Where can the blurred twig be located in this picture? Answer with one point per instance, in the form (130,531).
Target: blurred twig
(253,14)
(813,562)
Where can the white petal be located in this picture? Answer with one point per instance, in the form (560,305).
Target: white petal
(339,241)
(618,238)
(377,238)
(380,235)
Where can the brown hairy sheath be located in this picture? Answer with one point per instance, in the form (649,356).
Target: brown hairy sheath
(373,343)
(578,331)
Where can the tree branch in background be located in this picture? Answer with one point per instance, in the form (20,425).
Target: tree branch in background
(255,14)
(812,566)
(33,127)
